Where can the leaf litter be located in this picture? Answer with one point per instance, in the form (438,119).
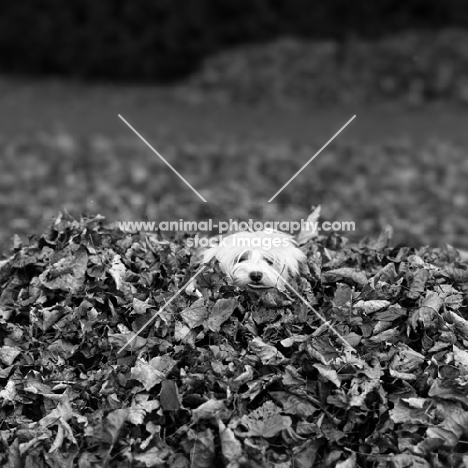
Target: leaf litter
(231,378)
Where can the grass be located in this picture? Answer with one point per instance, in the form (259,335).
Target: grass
(31,106)
(63,147)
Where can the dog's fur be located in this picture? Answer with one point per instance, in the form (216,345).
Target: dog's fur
(258,260)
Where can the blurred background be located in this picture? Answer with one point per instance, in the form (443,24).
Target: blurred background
(237,95)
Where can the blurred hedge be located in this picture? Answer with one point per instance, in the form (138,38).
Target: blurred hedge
(162,40)
(412,67)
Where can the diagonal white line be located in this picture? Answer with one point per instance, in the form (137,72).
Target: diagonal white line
(167,163)
(160,310)
(311,159)
(325,321)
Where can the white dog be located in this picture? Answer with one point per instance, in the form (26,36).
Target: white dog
(258,260)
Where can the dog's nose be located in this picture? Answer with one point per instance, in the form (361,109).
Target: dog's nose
(256,276)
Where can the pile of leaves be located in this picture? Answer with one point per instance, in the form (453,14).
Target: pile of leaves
(411,67)
(420,189)
(231,378)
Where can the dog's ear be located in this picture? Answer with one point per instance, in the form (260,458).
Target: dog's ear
(209,254)
(301,259)
(299,256)
(304,269)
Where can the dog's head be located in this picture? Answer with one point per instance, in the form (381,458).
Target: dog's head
(258,260)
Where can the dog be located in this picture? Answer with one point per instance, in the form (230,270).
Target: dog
(259,260)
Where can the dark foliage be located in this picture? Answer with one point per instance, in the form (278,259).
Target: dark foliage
(165,39)
(232,378)
(410,67)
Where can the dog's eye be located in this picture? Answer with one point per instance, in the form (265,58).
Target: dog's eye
(243,258)
(269,261)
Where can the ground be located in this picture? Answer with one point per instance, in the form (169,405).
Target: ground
(231,376)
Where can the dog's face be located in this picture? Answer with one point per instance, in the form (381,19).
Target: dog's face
(258,260)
